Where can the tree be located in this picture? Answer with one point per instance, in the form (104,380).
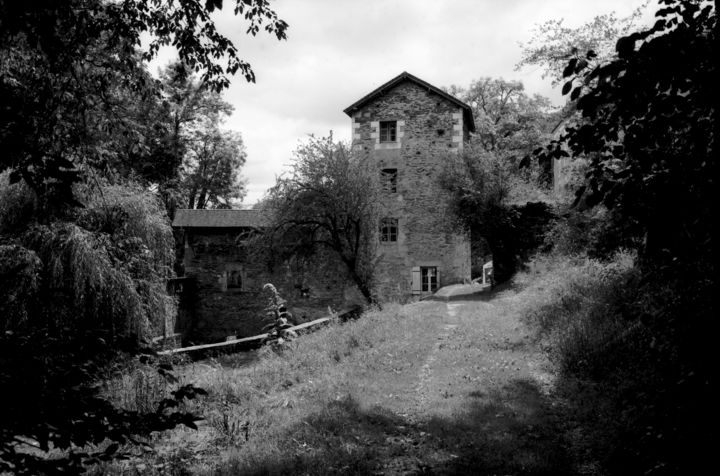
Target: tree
(480,186)
(209,158)
(60,62)
(510,124)
(506,119)
(649,129)
(212,165)
(553,43)
(327,201)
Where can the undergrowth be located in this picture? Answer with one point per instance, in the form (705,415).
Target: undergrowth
(258,402)
(633,359)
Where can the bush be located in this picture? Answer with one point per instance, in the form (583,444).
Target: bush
(577,306)
(74,290)
(635,354)
(103,269)
(17,204)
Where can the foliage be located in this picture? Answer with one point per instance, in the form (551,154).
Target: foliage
(278,330)
(552,43)
(211,157)
(506,119)
(55,404)
(649,132)
(327,200)
(510,124)
(638,378)
(597,232)
(66,69)
(479,184)
(73,292)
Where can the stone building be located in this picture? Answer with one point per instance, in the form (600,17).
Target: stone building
(409,128)
(225,282)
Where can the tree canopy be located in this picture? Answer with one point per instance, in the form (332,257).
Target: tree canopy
(328,201)
(66,66)
(649,129)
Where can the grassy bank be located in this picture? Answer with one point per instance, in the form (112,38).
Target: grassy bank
(629,350)
(272,409)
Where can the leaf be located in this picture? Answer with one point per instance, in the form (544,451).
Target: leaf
(525,162)
(582,64)
(211,5)
(112,449)
(570,68)
(566,88)
(625,46)
(576,93)
(15,177)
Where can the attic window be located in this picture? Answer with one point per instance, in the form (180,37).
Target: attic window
(388,131)
(441,132)
(388,178)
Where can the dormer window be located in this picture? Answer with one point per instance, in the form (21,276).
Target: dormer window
(388,131)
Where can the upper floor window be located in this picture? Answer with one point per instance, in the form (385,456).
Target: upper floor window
(389,229)
(388,179)
(388,131)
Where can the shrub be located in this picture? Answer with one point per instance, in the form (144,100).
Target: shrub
(635,354)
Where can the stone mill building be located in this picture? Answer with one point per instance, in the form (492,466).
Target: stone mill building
(409,129)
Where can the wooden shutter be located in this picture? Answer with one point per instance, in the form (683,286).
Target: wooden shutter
(437,279)
(416,282)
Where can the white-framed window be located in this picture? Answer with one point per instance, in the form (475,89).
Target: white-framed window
(388,229)
(388,131)
(388,180)
(428,278)
(425,279)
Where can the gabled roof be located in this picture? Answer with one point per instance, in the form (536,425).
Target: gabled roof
(187,218)
(405,76)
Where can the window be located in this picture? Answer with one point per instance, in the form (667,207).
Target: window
(388,179)
(234,279)
(429,278)
(388,229)
(388,131)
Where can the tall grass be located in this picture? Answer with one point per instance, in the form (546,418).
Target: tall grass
(633,351)
(575,303)
(259,402)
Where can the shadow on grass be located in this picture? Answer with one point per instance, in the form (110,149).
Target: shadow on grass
(511,431)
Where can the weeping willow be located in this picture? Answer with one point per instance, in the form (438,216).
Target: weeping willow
(104,267)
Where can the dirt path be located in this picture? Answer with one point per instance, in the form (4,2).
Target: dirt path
(453,387)
(480,403)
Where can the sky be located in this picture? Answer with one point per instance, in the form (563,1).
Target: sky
(337,51)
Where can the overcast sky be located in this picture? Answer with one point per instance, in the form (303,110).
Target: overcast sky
(339,50)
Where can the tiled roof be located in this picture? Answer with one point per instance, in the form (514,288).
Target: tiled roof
(405,76)
(186,218)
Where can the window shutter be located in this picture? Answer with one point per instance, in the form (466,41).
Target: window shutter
(416,285)
(437,279)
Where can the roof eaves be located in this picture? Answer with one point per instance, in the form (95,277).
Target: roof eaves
(468,116)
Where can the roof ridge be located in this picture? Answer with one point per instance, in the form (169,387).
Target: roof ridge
(408,76)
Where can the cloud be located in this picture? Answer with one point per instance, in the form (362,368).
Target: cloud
(339,50)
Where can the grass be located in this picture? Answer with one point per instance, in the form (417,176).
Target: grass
(575,304)
(626,347)
(268,404)
(548,375)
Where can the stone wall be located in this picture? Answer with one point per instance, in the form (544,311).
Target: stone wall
(228,286)
(429,129)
